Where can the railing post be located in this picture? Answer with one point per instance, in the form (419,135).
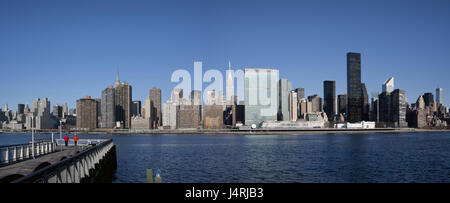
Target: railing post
(21,153)
(36,149)
(1,155)
(7,155)
(14,157)
(27,151)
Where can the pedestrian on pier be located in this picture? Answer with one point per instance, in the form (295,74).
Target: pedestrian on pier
(75,139)
(66,140)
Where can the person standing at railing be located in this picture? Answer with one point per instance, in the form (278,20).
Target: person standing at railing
(75,139)
(66,140)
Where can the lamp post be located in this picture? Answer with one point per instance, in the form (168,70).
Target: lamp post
(60,129)
(32,136)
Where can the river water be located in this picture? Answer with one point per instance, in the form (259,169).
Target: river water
(374,157)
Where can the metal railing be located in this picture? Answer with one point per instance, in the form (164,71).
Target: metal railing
(72,169)
(10,154)
(81,142)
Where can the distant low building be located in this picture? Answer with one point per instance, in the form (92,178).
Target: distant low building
(312,120)
(359,125)
(13,125)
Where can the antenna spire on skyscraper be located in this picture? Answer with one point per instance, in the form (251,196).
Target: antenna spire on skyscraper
(117,79)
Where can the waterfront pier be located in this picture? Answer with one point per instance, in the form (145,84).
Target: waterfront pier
(92,160)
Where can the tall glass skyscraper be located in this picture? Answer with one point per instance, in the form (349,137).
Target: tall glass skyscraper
(329,97)
(428,98)
(439,97)
(354,109)
(284,89)
(260,95)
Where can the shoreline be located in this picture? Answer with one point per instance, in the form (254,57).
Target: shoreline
(234,131)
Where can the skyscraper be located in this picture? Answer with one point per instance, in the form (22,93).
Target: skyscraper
(384,107)
(329,94)
(315,103)
(65,110)
(428,98)
(304,106)
(108,107)
(155,106)
(230,86)
(20,108)
(354,109)
(177,95)
(260,96)
(284,89)
(388,86)
(300,93)
(342,104)
(196,97)
(41,112)
(211,97)
(136,108)
(87,113)
(57,111)
(439,96)
(399,105)
(365,103)
(123,96)
(293,104)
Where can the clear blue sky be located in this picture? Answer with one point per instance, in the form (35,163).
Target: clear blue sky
(67,49)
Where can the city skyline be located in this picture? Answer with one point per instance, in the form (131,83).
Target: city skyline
(64,56)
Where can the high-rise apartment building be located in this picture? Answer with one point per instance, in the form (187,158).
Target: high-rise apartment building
(293,104)
(123,96)
(108,108)
(155,106)
(87,113)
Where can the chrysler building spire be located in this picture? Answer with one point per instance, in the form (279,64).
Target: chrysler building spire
(117,79)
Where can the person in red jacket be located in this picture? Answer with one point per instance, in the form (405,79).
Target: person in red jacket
(75,139)
(66,140)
